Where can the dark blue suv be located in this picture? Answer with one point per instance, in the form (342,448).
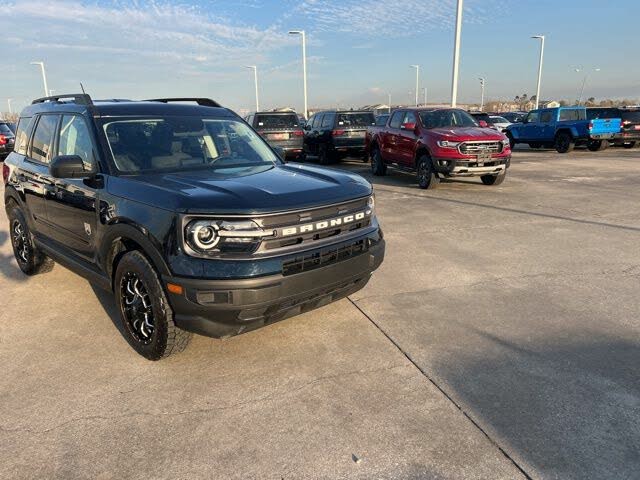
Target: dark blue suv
(186,214)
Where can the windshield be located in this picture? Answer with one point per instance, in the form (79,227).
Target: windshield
(181,143)
(356,119)
(381,120)
(632,116)
(276,121)
(447,119)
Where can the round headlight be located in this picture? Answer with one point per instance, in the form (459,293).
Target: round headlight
(205,235)
(371,204)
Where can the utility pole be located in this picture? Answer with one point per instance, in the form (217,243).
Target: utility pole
(424,89)
(9,103)
(456,55)
(541,38)
(389,103)
(417,67)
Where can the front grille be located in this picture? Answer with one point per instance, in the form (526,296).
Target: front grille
(305,263)
(477,148)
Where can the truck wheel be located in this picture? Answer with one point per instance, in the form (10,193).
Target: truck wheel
(512,142)
(145,312)
(564,142)
(378,168)
(629,144)
(493,179)
(427,178)
(598,145)
(323,155)
(30,258)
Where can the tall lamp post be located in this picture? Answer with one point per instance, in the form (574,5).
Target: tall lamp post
(424,89)
(304,67)
(584,81)
(255,77)
(9,103)
(417,67)
(481,93)
(44,77)
(456,55)
(541,38)
(389,102)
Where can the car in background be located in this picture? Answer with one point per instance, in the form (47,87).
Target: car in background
(438,143)
(563,128)
(629,135)
(499,123)
(513,117)
(7,140)
(335,134)
(282,130)
(381,119)
(482,118)
(12,126)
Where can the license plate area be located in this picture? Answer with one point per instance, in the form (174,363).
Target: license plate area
(278,136)
(483,157)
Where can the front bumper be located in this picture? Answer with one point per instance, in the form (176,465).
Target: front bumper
(223,308)
(470,167)
(627,136)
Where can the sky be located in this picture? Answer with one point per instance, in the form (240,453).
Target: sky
(358,51)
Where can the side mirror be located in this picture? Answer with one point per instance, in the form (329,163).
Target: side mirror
(483,124)
(306,127)
(68,166)
(408,126)
(281,153)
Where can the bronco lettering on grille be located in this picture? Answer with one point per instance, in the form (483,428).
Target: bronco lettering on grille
(322,225)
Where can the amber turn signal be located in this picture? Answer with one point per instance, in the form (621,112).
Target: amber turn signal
(173,288)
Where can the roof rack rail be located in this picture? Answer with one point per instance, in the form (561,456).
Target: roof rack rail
(79,98)
(204,102)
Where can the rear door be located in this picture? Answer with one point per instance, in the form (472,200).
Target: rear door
(529,131)
(71,205)
(390,144)
(547,126)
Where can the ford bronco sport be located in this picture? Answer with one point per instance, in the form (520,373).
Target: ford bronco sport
(186,214)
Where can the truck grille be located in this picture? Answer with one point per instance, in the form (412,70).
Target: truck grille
(476,148)
(304,263)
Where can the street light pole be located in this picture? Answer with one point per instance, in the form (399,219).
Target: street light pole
(9,103)
(304,67)
(481,93)
(44,77)
(389,103)
(417,67)
(255,77)
(456,55)
(541,37)
(425,95)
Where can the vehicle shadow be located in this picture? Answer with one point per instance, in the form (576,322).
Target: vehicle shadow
(565,410)
(108,304)
(8,266)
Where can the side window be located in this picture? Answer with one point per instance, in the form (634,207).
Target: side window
(328,120)
(546,116)
(317,121)
(533,117)
(396,119)
(75,139)
(410,117)
(25,125)
(43,138)
(312,119)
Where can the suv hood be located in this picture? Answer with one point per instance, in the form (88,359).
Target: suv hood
(468,134)
(279,188)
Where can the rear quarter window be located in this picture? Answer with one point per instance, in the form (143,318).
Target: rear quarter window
(572,115)
(22,135)
(356,119)
(276,121)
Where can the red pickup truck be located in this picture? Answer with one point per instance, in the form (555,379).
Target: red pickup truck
(438,143)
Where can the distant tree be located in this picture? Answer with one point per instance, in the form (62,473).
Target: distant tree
(563,103)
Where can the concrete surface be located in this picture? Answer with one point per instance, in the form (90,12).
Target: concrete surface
(518,305)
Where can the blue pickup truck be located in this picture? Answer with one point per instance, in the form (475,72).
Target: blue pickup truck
(563,128)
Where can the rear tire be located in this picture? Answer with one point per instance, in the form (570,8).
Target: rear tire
(598,145)
(323,155)
(147,316)
(493,179)
(564,142)
(29,257)
(629,145)
(427,178)
(378,168)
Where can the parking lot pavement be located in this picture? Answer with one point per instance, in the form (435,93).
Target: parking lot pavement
(521,302)
(518,302)
(323,395)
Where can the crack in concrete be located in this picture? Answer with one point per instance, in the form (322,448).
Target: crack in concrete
(203,410)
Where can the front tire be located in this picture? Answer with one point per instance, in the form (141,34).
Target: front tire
(629,145)
(493,179)
(378,168)
(29,257)
(145,312)
(564,142)
(427,178)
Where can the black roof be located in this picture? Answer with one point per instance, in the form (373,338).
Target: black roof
(81,103)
